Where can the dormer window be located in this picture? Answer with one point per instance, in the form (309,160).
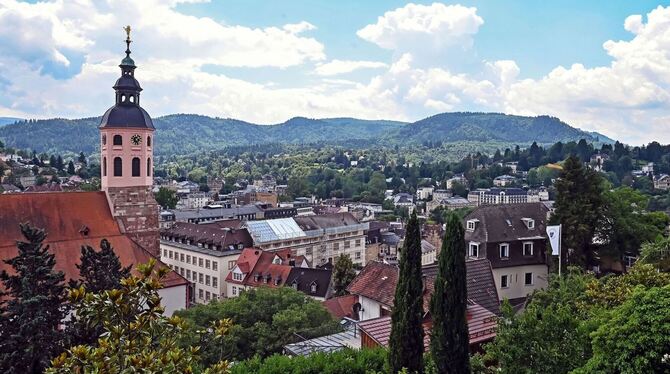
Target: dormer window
(294,285)
(529,222)
(473,250)
(472,224)
(504,250)
(238,276)
(312,287)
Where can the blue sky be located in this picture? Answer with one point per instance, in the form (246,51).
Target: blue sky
(598,65)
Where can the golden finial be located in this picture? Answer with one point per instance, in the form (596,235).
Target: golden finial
(127,29)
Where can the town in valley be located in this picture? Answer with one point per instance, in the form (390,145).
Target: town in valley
(403,201)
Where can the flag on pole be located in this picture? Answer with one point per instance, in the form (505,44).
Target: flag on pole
(554,233)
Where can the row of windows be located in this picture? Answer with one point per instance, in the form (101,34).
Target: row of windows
(118,167)
(198,261)
(506,279)
(206,295)
(473,249)
(196,277)
(118,140)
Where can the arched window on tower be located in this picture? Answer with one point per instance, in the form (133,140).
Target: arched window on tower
(149,141)
(118,167)
(104,166)
(136,166)
(118,140)
(149,167)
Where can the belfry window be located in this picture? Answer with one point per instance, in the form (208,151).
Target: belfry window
(136,166)
(118,140)
(104,166)
(118,167)
(148,141)
(149,167)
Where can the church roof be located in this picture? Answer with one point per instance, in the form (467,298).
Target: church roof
(126,116)
(71,219)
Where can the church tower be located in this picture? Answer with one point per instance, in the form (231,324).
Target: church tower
(126,159)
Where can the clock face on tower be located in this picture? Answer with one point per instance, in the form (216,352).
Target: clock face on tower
(136,139)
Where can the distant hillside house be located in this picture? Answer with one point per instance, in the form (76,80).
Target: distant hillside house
(512,237)
(662,182)
(504,181)
(494,196)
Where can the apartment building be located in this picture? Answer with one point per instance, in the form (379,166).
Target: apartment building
(320,239)
(204,255)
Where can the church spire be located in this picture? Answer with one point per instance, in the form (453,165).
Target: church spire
(127,61)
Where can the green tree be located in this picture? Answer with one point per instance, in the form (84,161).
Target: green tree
(70,168)
(449,342)
(31,308)
(406,340)
(657,253)
(579,209)
(99,271)
(82,158)
(265,319)
(625,224)
(343,274)
(138,338)
(635,338)
(548,336)
(166,198)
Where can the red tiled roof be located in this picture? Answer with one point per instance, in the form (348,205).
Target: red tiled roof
(377,281)
(341,306)
(64,216)
(252,262)
(482,326)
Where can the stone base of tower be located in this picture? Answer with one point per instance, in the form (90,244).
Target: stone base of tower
(136,212)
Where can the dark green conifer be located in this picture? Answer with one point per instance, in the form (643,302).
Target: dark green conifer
(406,341)
(32,307)
(99,271)
(449,343)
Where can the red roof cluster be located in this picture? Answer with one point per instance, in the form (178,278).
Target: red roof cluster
(341,306)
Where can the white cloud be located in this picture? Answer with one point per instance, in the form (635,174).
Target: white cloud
(415,26)
(296,28)
(336,67)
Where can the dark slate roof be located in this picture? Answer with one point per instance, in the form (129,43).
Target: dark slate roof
(481,286)
(223,237)
(503,223)
(304,277)
(126,116)
(377,281)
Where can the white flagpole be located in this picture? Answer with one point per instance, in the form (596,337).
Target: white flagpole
(560,234)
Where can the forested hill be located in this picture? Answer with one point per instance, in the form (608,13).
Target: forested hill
(188,133)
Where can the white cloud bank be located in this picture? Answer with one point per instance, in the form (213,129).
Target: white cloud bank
(59,59)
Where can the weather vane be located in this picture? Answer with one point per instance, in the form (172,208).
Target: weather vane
(127,29)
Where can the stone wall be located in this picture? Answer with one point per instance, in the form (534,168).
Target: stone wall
(136,211)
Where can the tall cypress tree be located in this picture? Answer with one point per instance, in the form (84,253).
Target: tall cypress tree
(449,343)
(406,340)
(32,307)
(99,271)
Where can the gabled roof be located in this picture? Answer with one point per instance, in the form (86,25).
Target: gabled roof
(259,269)
(502,223)
(481,285)
(341,306)
(303,278)
(482,325)
(377,281)
(71,219)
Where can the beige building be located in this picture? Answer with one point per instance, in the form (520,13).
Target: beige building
(319,239)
